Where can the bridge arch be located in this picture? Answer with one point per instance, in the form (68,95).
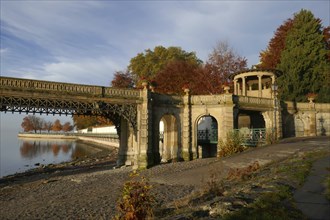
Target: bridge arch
(170,149)
(166,136)
(206,136)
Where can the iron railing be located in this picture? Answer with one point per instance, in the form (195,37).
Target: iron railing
(252,137)
(207,136)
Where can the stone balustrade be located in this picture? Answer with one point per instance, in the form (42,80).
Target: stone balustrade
(255,100)
(208,99)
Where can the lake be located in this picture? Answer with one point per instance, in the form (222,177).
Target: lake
(19,155)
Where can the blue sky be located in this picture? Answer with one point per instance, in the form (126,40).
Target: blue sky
(87,41)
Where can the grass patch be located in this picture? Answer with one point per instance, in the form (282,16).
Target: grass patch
(327,186)
(272,205)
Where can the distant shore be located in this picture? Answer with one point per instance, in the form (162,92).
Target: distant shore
(47,136)
(97,139)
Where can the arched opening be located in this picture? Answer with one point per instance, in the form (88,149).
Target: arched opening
(168,140)
(207,137)
(252,127)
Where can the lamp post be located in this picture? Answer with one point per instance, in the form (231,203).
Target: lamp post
(274,91)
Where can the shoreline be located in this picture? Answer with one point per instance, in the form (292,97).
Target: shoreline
(88,139)
(91,190)
(105,152)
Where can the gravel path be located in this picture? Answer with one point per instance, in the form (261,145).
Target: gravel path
(92,192)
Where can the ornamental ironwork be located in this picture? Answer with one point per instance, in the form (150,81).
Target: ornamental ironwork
(43,97)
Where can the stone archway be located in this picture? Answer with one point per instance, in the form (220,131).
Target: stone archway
(169,147)
(207,136)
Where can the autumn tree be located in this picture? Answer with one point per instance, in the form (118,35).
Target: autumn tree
(32,123)
(304,60)
(47,126)
(57,126)
(270,57)
(27,125)
(122,80)
(81,121)
(67,127)
(222,62)
(147,65)
(178,74)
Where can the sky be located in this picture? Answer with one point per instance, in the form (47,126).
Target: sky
(88,41)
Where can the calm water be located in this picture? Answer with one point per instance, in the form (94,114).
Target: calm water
(19,155)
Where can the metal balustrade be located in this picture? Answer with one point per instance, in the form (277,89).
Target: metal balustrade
(207,136)
(252,137)
(38,85)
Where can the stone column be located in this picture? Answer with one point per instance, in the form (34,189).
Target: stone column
(238,89)
(145,157)
(235,87)
(186,128)
(123,143)
(312,119)
(244,86)
(259,86)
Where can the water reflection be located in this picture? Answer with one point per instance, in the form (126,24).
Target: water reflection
(35,148)
(30,149)
(18,155)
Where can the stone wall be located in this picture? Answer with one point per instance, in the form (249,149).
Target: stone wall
(305,119)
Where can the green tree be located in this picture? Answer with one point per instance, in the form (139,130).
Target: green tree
(304,60)
(147,65)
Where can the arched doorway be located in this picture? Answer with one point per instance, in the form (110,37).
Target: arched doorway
(169,149)
(207,137)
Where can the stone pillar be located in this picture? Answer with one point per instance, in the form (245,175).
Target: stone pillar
(259,86)
(228,118)
(186,128)
(235,87)
(145,157)
(244,86)
(312,119)
(123,143)
(238,89)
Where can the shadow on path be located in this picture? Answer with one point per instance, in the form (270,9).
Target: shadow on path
(310,197)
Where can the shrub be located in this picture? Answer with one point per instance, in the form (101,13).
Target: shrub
(214,184)
(232,144)
(270,137)
(243,173)
(137,201)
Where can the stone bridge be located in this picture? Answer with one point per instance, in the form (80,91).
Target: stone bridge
(138,113)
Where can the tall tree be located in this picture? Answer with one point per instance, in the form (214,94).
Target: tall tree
(81,121)
(304,60)
(27,124)
(179,74)
(32,123)
(222,62)
(122,80)
(270,57)
(48,126)
(67,127)
(57,126)
(147,65)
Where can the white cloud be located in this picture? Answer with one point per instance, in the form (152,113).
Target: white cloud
(100,37)
(3,51)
